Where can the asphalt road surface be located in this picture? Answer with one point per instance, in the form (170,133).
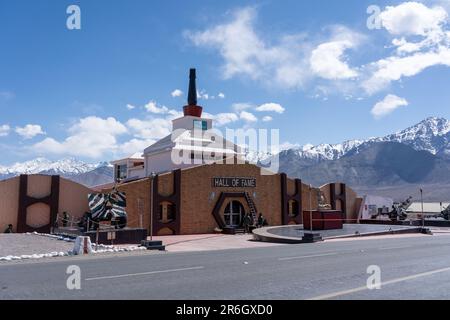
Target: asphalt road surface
(411,268)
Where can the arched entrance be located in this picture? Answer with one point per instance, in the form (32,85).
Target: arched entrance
(233,214)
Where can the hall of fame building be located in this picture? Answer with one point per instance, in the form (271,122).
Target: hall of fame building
(217,187)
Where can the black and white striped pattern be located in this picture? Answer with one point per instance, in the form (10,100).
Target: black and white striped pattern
(106,206)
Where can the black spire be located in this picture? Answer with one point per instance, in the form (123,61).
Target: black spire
(192,96)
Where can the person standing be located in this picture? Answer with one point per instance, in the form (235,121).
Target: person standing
(246,223)
(65,218)
(260,220)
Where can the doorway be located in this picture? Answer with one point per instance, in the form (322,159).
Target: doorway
(233,214)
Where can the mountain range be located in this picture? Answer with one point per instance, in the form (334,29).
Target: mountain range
(70,168)
(394,165)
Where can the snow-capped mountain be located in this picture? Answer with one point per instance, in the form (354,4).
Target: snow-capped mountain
(69,166)
(432,135)
(89,174)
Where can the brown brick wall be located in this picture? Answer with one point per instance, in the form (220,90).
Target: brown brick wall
(199,197)
(138,199)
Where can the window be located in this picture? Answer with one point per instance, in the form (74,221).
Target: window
(121,172)
(167,212)
(171,212)
(293,209)
(201,124)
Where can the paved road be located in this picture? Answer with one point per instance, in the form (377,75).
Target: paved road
(411,268)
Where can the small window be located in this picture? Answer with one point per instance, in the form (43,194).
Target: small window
(121,172)
(201,124)
(167,212)
(293,209)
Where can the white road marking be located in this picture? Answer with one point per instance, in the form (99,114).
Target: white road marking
(310,256)
(143,273)
(411,277)
(391,248)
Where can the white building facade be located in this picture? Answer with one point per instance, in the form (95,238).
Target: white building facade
(193,142)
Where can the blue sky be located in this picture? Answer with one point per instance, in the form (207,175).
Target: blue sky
(312,69)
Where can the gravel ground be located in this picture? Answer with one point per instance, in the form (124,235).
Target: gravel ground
(20,244)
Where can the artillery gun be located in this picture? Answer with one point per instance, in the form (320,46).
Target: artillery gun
(398,212)
(446,213)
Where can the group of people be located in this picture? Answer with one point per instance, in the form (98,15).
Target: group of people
(248,222)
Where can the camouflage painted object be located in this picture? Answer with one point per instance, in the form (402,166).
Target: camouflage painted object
(108,207)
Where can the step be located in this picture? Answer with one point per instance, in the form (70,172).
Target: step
(149,243)
(312,237)
(160,248)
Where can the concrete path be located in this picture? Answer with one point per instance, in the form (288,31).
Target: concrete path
(206,242)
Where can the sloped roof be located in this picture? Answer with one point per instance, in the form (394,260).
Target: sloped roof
(171,141)
(161,144)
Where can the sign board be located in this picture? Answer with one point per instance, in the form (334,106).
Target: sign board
(233,182)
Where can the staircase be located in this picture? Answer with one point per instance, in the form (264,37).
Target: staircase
(252,207)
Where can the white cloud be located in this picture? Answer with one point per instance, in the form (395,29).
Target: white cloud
(221,95)
(412,18)
(267,119)
(327,60)
(419,36)
(245,53)
(130,107)
(177,93)
(222,119)
(270,107)
(285,62)
(4,130)
(389,104)
(424,43)
(202,95)
(91,137)
(395,68)
(135,145)
(247,116)
(150,129)
(153,108)
(29,131)
(238,107)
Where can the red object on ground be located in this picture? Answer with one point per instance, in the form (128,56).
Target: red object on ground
(323,220)
(195,111)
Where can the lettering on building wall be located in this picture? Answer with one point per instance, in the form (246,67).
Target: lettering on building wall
(233,182)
